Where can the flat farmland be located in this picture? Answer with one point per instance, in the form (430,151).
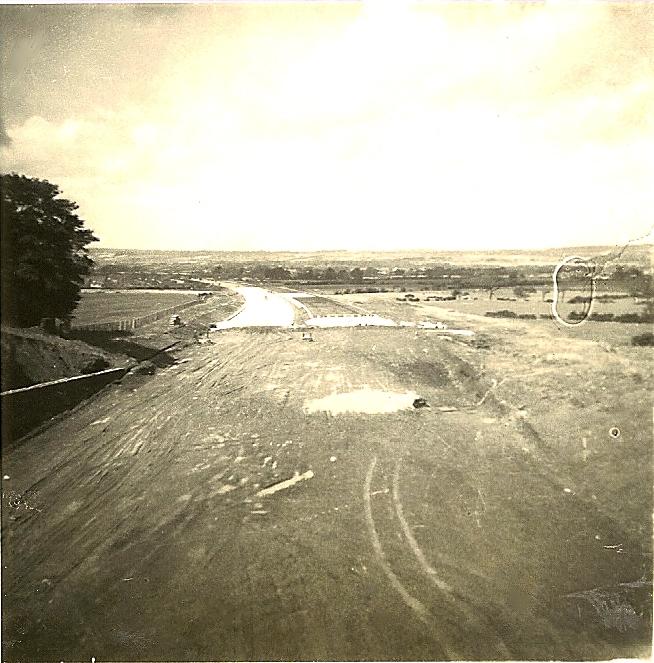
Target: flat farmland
(470,313)
(479,301)
(108,305)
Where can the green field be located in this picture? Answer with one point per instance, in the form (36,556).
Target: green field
(98,306)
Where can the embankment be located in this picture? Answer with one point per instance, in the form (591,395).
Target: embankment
(30,356)
(25,408)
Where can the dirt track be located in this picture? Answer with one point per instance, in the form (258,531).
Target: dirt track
(132,529)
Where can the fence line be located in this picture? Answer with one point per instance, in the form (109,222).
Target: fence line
(133,323)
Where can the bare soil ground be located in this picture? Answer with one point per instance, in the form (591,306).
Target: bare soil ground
(30,356)
(507,524)
(571,385)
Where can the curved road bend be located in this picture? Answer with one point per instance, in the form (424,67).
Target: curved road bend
(262,308)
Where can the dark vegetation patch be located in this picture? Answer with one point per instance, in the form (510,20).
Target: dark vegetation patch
(646,339)
(503,313)
(614,317)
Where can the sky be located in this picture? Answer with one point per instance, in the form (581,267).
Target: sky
(378,125)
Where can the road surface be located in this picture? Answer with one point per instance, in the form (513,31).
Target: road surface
(135,528)
(262,308)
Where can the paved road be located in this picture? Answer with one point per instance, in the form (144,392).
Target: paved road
(262,308)
(135,528)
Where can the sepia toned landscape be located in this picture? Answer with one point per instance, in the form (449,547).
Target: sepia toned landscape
(327,332)
(504,519)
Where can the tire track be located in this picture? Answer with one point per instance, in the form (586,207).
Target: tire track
(413,603)
(430,572)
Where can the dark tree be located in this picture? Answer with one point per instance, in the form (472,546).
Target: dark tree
(343,276)
(277,273)
(307,274)
(329,275)
(44,254)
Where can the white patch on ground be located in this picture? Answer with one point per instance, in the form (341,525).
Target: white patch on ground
(350,321)
(283,485)
(368,401)
(222,490)
(453,332)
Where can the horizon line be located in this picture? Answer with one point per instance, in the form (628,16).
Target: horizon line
(365,250)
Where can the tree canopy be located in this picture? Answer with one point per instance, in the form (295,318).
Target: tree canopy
(44,254)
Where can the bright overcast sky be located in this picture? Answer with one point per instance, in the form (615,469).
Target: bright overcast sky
(302,126)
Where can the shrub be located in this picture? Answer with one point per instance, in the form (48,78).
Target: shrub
(579,299)
(504,313)
(603,317)
(646,339)
(527,316)
(607,297)
(630,317)
(610,317)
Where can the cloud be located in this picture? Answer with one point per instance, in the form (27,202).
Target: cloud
(435,126)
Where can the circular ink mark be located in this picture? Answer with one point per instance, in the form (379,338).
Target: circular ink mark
(575,268)
(614,432)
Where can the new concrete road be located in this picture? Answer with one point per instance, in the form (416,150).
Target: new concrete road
(214,511)
(262,308)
